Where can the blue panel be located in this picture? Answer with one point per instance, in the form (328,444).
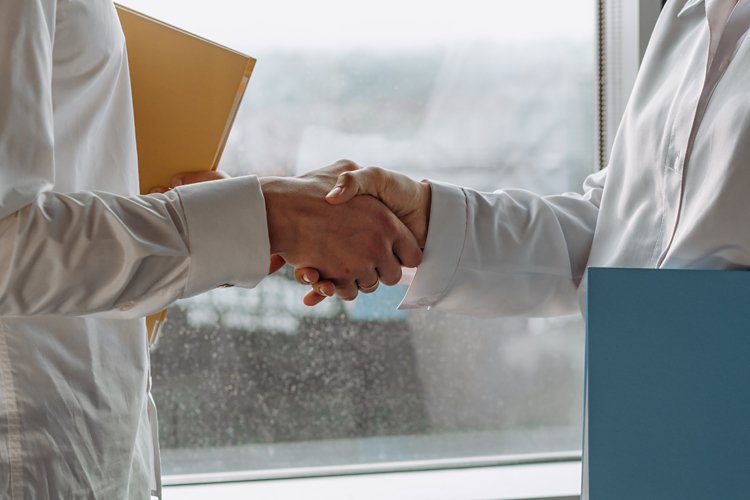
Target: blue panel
(668,355)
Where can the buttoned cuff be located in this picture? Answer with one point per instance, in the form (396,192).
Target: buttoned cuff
(442,252)
(227,233)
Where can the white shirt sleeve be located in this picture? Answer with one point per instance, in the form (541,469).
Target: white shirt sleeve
(506,253)
(92,252)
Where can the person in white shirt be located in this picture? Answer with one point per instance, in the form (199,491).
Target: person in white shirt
(83,257)
(673,195)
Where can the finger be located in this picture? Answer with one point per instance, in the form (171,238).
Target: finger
(324,288)
(277,262)
(406,247)
(344,166)
(368,283)
(158,190)
(390,271)
(347,291)
(196,177)
(350,184)
(306,275)
(313,298)
(320,291)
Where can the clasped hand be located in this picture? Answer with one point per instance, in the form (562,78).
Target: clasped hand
(361,226)
(343,228)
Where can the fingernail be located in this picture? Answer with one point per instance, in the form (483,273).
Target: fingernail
(327,293)
(335,192)
(177,182)
(306,279)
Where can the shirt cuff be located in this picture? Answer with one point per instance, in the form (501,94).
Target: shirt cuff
(227,233)
(443,248)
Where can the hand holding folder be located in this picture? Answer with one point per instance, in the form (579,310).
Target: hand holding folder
(186,92)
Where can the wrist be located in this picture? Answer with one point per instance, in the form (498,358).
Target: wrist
(278,194)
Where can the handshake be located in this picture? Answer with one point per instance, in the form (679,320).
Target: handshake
(345,229)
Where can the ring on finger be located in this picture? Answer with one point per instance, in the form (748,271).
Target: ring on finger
(369,289)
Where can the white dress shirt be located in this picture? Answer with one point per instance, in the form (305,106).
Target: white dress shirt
(674,195)
(83,258)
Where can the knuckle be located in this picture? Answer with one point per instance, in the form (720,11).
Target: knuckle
(378,174)
(390,280)
(348,165)
(376,171)
(383,251)
(415,259)
(346,276)
(410,256)
(346,177)
(388,223)
(392,276)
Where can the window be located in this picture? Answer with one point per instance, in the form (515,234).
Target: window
(487,94)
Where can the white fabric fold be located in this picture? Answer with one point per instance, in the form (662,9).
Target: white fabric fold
(83,257)
(675,191)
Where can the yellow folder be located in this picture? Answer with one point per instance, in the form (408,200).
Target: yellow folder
(186,92)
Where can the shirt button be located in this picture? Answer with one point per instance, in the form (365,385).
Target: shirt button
(127,306)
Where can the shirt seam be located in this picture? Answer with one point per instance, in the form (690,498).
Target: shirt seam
(13,419)
(188,244)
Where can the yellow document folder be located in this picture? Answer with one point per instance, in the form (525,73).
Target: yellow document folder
(186,92)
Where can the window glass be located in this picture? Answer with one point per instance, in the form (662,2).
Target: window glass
(486,94)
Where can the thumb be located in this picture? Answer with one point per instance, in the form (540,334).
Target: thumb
(277,262)
(350,184)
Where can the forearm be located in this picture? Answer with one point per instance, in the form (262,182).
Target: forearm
(88,253)
(505,253)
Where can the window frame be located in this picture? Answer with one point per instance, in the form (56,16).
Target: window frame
(624,29)
(433,465)
(542,481)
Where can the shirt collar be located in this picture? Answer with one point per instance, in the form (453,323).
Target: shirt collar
(689,5)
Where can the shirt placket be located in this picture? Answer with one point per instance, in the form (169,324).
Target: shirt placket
(690,115)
